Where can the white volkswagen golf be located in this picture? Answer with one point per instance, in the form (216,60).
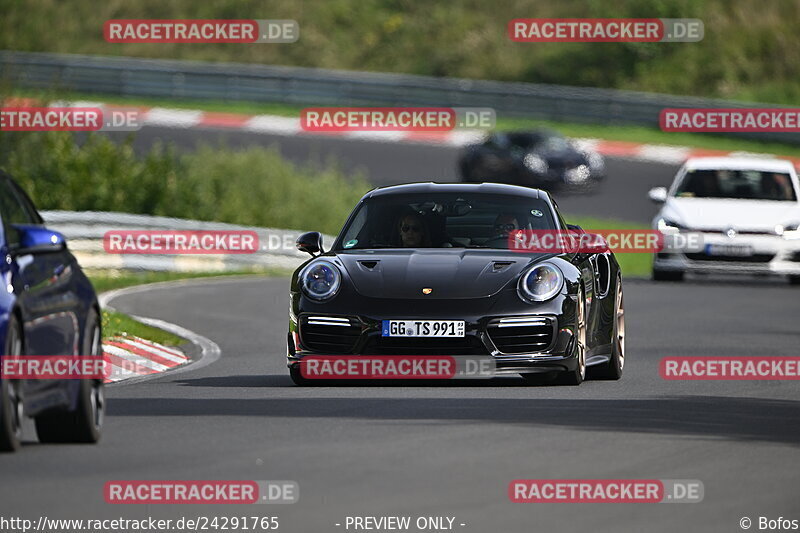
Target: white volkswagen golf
(745,210)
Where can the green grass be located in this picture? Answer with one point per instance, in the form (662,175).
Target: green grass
(633,265)
(120,325)
(106,280)
(245,108)
(117,324)
(611,132)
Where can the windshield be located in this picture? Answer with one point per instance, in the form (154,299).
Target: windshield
(741,184)
(443,221)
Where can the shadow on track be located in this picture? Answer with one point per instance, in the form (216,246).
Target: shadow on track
(745,419)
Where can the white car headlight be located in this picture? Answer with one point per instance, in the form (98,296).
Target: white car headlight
(667,225)
(320,280)
(535,163)
(788,231)
(540,283)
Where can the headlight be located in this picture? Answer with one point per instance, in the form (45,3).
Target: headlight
(577,175)
(535,163)
(788,231)
(665,224)
(540,283)
(596,162)
(320,280)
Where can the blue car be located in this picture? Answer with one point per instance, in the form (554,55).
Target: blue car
(47,307)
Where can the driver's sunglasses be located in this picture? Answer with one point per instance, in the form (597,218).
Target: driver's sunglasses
(405,228)
(505,227)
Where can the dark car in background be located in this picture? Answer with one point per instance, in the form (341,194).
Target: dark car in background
(47,308)
(542,158)
(433,254)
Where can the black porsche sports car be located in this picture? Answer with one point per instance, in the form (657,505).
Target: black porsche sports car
(440,253)
(540,158)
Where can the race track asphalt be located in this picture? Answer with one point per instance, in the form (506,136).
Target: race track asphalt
(446,450)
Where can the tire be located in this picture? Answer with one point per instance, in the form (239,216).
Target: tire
(539,378)
(794,280)
(667,275)
(10,399)
(576,377)
(85,423)
(613,370)
(297,377)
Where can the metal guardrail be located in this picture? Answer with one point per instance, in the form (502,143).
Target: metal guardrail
(306,86)
(84,231)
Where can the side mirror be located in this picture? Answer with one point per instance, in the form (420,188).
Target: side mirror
(658,194)
(36,239)
(310,242)
(594,244)
(575,228)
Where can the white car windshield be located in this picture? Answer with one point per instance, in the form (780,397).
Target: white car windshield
(740,184)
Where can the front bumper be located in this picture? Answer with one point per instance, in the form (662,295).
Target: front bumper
(772,255)
(519,343)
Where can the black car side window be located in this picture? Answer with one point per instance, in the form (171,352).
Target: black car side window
(27,205)
(12,211)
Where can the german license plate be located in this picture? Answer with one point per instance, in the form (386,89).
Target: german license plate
(423,328)
(738,250)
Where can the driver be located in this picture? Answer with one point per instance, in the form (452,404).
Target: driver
(413,231)
(504,224)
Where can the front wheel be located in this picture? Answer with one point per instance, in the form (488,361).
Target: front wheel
(297,376)
(10,399)
(85,423)
(613,370)
(576,377)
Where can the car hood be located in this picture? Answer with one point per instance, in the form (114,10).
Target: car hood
(450,273)
(718,214)
(566,155)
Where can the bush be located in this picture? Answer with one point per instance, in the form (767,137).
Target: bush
(254,186)
(749,50)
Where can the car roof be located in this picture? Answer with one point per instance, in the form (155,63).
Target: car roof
(431,187)
(739,163)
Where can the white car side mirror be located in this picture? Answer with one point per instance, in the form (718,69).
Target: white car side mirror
(658,194)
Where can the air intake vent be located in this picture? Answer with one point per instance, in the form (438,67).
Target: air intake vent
(369,265)
(521,335)
(499,266)
(333,335)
